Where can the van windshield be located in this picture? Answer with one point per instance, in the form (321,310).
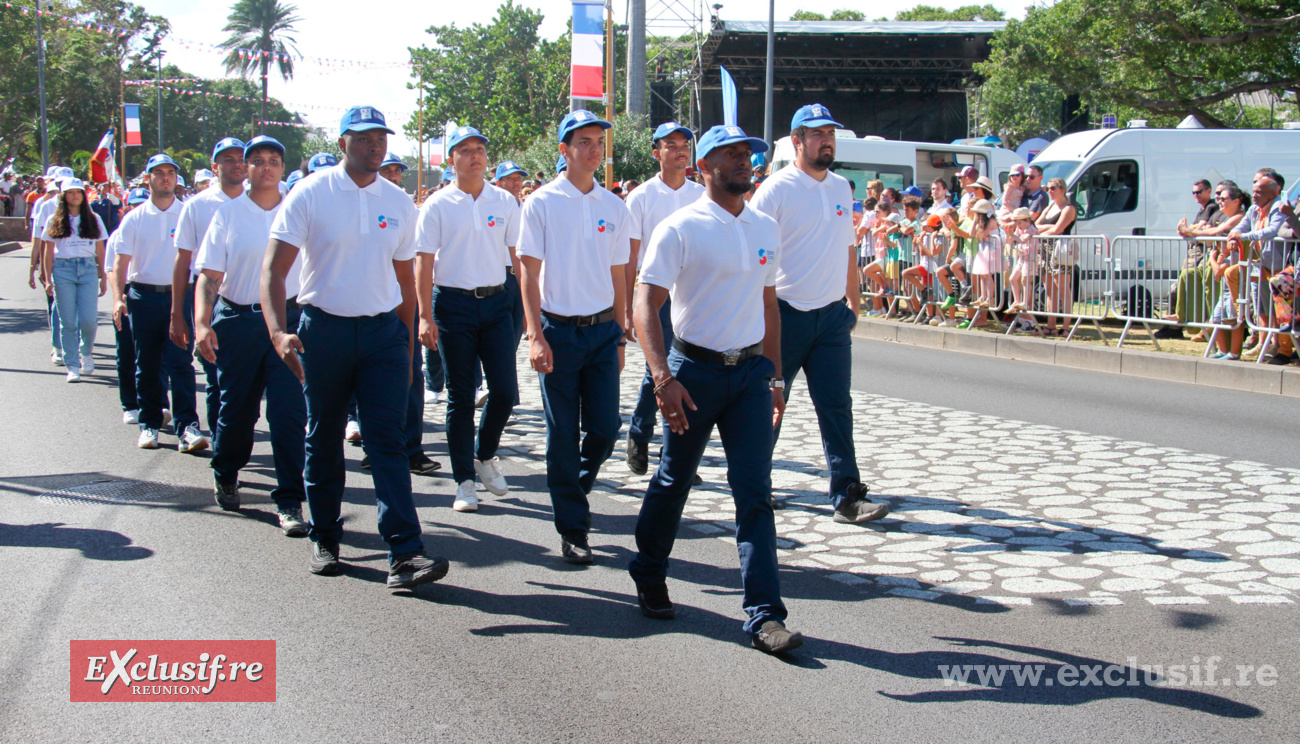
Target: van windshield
(1056,169)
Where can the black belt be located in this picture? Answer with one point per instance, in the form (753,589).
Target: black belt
(477,292)
(256,307)
(728,358)
(604,316)
(142,287)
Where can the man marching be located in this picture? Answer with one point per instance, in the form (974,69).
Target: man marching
(235,340)
(464,239)
(818,272)
(356,233)
(650,205)
(573,245)
(719,260)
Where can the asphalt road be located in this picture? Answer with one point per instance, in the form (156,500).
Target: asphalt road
(515,646)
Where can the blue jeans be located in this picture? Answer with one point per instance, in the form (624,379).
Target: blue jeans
(369,357)
(248,366)
(212,388)
(156,355)
(126,367)
(52,315)
(738,401)
(820,342)
(642,428)
(579,397)
(76,292)
(472,329)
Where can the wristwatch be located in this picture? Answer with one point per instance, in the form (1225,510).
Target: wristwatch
(776,384)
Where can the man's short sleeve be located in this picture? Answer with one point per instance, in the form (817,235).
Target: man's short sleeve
(532,230)
(636,211)
(664,256)
(293,223)
(45,231)
(405,249)
(212,251)
(512,223)
(767,201)
(428,229)
(844,234)
(187,238)
(622,242)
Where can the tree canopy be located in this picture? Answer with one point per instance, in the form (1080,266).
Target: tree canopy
(964,13)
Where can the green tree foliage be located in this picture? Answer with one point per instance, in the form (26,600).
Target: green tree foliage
(632,158)
(1155,59)
(265,26)
(807,15)
(845,14)
(964,13)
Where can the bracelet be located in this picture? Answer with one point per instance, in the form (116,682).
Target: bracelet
(664,384)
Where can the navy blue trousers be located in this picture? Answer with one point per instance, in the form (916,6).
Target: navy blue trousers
(156,355)
(126,367)
(642,428)
(212,390)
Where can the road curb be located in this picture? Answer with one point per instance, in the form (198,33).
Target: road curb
(1256,378)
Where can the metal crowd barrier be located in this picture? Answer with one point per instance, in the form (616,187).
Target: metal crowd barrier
(1066,278)
(1276,259)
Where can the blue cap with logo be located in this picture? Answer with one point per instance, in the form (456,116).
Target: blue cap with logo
(463,133)
(723,135)
(668,127)
(508,168)
(912,190)
(263,140)
(161,158)
(293,179)
(227,144)
(579,119)
(362,119)
(137,196)
(448,174)
(813,115)
(321,161)
(392,159)
(561,165)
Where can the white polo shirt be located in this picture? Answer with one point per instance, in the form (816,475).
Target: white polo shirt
(470,239)
(196,215)
(816,219)
(716,266)
(651,203)
(578,238)
(149,238)
(41,214)
(348,238)
(75,246)
(235,245)
(110,249)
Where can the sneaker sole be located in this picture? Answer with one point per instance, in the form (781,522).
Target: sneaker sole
(578,560)
(794,641)
(325,569)
(196,447)
(228,506)
(660,614)
(498,491)
(869,517)
(433,573)
(297,531)
(461,506)
(148,446)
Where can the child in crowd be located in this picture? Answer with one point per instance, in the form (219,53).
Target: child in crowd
(883,224)
(954,266)
(926,248)
(1013,195)
(1025,252)
(985,243)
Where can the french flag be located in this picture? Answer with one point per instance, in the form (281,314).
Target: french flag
(435,152)
(588,50)
(102,163)
(131,122)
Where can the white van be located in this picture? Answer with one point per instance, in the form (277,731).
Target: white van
(901,164)
(1138,181)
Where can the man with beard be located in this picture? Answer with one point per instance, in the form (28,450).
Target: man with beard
(719,260)
(817,275)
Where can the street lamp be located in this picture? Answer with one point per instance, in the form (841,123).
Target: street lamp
(40,82)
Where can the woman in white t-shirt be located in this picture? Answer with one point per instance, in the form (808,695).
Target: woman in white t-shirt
(74,243)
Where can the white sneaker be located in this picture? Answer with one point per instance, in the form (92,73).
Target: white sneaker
(87,364)
(353,432)
(949,323)
(192,440)
(480,398)
(466,498)
(148,439)
(489,471)
(131,417)
(74,374)
(56,358)
(432,396)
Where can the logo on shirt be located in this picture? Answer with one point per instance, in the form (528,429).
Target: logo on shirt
(492,221)
(385,222)
(762,256)
(839,211)
(172,234)
(601,225)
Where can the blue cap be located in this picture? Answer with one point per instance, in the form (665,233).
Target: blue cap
(448,174)
(260,140)
(668,127)
(561,165)
(506,168)
(463,133)
(321,161)
(161,158)
(361,119)
(137,196)
(227,144)
(758,159)
(813,115)
(579,119)
(722,135)
(912,190)
(392,159)
(293,179)
(857,206)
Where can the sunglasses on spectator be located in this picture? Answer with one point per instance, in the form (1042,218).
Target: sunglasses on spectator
(1197,192)
(1053,188)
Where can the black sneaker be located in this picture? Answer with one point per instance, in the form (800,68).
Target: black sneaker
(325,558)
(422,463)
(1169,332)
(965,296)
(857,508)
(576,551)
(696,480)
(227,495)
(1282,359)
(638,456)
(365,462)
(774,638)
(291,521)
(412,569)
(654,601)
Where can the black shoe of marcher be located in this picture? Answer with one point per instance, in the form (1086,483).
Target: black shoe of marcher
(422,463)
(576,551)
(654,602)
(227,496)
(638,457)
(365,462)
(857,508)
(774,638)
(325,558)
(697,480)
(412,569)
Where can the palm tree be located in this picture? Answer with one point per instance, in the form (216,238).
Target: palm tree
(264,27)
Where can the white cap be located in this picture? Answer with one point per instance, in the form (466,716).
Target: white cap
(73,183)
(202,175)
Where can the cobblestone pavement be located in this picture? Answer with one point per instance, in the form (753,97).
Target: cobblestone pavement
(992,510)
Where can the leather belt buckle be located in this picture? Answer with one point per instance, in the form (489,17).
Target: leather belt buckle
(732,358)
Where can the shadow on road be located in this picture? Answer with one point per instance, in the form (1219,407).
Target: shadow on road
(95,545)
(23,320)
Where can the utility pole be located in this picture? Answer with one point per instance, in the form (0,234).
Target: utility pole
(121,132)
(636,86)
(158,85)
(609,92)
(419,134)
(40,83)
(771,72)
